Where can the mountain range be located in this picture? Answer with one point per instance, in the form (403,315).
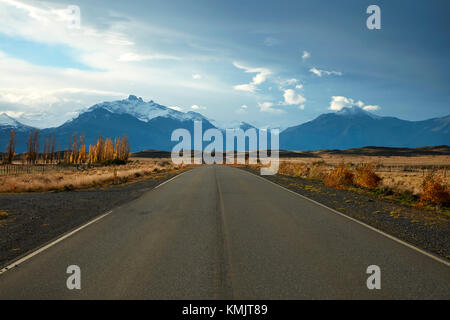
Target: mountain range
(149,126)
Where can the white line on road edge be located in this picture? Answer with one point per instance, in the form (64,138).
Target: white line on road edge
(159,185)
(51,244)
(361,223)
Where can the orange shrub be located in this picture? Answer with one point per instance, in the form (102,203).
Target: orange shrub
(293,170)
(366,177)
(339,178)
(434,191)
(317,171)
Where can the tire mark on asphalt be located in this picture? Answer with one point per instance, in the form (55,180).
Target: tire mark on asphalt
(225,285)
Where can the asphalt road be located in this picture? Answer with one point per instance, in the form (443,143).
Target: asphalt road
(218,232)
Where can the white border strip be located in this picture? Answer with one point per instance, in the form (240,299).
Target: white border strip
(359,222)
(65,236)
(163,183)
(51,244)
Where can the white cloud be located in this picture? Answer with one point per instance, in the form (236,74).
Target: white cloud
(242,109)
(299,86)
(260,77)
(196,76)
(339,102)
(305,55)
(270,41)
(196,107)
(371,108)
(103,38)
(292,98)
(130,57)
(291,81)
(267,107)
(319,72)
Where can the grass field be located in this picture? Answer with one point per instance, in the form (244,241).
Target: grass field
(404,173)
(58,178)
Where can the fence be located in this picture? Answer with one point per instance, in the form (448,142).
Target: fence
(12,169)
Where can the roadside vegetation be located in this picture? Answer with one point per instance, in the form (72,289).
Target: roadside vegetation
(77,167)
(67,178)
(427,188)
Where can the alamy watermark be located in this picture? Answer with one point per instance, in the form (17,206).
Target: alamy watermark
(373,22)
(74,280)
(259,150)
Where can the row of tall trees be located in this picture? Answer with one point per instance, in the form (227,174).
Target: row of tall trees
(76,153)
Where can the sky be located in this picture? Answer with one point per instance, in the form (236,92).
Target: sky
(268,63)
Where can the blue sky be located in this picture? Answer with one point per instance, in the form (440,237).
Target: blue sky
(276,63)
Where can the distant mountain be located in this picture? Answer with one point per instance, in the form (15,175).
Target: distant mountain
(8,123)
(355,128)
(149,126)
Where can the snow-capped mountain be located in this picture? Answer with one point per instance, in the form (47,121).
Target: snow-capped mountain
(355,127)
(231,124)
(9,122)
(145,111)
(150,125)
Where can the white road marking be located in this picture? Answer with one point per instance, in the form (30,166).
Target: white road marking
(51,244)
(359,222)
(159,185)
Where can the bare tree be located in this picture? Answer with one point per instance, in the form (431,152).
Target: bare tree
(52,150)
(11,147)
(33,146)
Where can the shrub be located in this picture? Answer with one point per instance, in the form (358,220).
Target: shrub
(3,214)
(366,177)
(114,162)
(339,178)
(293,170)
(434,191)
(317,171)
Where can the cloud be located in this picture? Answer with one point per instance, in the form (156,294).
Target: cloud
(242,109)
(291,81)
(339,102)
(101,40)
(270,41)
(196,76)
(292,98)
(299,86)
(196,107)
(371,108)
(319,72)
(267,107)
(260,77)
(130,57)
(305,55)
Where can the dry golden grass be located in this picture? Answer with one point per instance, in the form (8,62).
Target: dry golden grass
(339,178)
(397,172)
(366,177)
(434,191)
(391,161)
(68,179)
(401,175)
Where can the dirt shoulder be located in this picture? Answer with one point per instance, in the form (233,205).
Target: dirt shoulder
(423,228)
(38,217)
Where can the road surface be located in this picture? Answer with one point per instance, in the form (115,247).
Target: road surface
(218,232)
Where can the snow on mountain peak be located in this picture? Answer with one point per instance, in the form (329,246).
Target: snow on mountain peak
(6,120)
(145,111)
(356,111)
